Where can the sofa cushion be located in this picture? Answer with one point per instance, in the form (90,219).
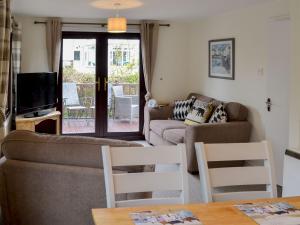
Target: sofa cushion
(157,140)
(219,115)
(236,111)
(182,108)
(175,136)
(200,113)
(61,150)
(159,126)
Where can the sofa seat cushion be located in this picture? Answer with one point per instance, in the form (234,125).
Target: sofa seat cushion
(159,126)
(175,136)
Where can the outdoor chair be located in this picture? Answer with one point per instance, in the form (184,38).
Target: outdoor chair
(71,101)
(125,106)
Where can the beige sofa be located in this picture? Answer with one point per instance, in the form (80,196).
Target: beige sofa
(52,180)
(160,129)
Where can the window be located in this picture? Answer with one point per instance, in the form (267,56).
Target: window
(126,59)
(117,57)
(77,55)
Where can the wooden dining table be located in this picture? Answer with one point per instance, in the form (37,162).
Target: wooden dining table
(224,213)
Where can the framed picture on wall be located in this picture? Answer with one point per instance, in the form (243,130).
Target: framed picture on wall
(222,58)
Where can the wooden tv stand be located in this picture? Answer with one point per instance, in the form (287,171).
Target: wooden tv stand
(30,123)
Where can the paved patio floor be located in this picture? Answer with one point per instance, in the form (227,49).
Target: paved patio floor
(79,126)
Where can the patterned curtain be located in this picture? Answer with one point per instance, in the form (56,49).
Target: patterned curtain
(16,62)
(5,32)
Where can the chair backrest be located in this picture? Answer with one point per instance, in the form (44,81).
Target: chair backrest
(118,91)
(213,180)
(145,181)
(70,94)
(109,93)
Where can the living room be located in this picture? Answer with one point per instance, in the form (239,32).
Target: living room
(133,73)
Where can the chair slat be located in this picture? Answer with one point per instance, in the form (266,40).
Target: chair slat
(170,180)
(235,151)
(247,195)
(146,182)
(236,176)
(231,176)
(147,202)
(129,156)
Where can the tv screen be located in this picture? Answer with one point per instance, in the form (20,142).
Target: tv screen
(36,91)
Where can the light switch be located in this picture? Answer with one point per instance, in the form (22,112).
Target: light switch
(260,72)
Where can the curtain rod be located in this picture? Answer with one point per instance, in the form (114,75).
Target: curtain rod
(101,24)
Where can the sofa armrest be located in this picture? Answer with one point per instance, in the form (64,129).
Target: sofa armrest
(231,132)
(160,113)
(3,194)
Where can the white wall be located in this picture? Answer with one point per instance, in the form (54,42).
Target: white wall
(172,62)
(249,28)
(33,51)
(295,78)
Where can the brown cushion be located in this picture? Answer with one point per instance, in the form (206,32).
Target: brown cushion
(159,126)
(53,149)
(200,97)
(236,111)
(175,136)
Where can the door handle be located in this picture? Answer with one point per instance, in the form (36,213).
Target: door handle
(105,83)
(269,104)
(98,83)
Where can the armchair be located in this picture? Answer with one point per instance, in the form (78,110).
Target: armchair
(125,106)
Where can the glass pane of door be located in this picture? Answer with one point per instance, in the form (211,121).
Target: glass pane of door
(123,85)
(79,76)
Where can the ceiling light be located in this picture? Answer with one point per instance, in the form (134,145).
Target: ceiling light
(110,4)
(117,24)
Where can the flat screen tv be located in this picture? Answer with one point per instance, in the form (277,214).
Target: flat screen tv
(36,92)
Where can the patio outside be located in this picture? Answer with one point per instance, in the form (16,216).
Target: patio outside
(79,86)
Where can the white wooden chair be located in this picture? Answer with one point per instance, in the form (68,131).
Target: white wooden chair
(145,181)
(255,173)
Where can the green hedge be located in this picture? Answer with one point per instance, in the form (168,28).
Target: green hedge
(119,74)
(72,75)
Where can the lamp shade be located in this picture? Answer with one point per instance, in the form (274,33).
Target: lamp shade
(117,25)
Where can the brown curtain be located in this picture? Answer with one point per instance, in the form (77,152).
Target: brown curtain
(53,39)
(149,41)
(5,32)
